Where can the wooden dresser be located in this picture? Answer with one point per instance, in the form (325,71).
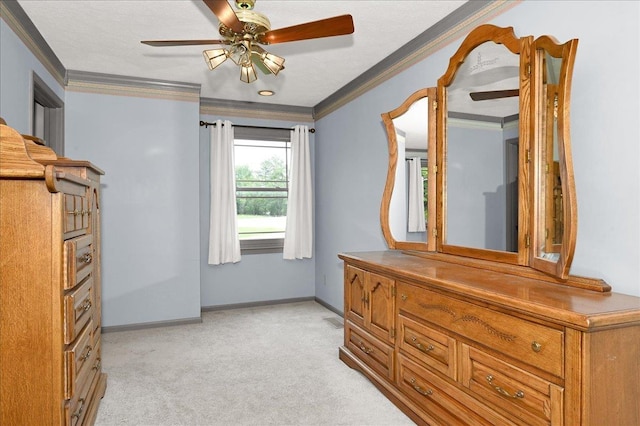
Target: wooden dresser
(50,356)
(452,344)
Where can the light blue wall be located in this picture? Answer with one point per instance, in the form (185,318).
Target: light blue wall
(351,150)
(17,65)
(476,196)
(257,277)
(148,149)
(351,168)
(605,106)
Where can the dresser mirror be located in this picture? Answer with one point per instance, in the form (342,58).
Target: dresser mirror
(483,127)
(500,186)
(408,204)
(555,204)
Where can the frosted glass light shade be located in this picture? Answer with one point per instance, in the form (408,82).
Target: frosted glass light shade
(248,73)
(215,57)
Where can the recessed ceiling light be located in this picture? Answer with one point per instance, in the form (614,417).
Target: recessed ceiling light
(266,93)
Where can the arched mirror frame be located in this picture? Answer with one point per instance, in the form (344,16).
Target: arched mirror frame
(555,114)
(430,144)
(521,47)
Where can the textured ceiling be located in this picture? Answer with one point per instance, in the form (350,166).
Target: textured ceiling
(104,36)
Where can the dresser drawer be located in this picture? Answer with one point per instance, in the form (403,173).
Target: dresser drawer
(77,407)
(76,212)
(77,260)
(535,344)
(427,345)
(78,309)
(532,400)
(78,359)
(441,399)
(377,355)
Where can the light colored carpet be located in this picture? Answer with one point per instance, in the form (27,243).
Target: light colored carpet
(271,365)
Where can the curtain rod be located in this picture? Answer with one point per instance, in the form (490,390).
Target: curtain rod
(206,124)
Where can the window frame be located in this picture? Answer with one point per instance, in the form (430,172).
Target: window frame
(263,245)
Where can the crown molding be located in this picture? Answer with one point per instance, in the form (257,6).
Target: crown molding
(227,108)
(110,84)
(448,29)
(17,19)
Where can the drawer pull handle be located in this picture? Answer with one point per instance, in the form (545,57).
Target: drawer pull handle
(86,305)
(418,389)
(86,355)
(365,349)
(98,364)
(404,297)
(535,346)
(78,413)
(86,258)
(518,394)
(421,346)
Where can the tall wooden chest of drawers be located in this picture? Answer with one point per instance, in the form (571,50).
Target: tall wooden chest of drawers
(50,354)
(450,344)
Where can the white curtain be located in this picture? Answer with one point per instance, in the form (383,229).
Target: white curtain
(298,240)
(416,197)
(224,243)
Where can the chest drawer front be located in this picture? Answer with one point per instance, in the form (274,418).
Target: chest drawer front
(78,310)
(76,409)
(78,260)
(535,344)
(429,346)
(532,400)
(76,212)
(441,399)
(77,360)
(377,355)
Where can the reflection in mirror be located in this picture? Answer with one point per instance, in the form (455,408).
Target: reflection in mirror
(409,193)
(554,240)
(409,210)
(551,181)
(482,131)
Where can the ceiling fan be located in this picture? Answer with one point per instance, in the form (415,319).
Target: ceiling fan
(245,30)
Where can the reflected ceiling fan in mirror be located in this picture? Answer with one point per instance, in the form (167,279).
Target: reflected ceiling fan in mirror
(494,94)
(244,30)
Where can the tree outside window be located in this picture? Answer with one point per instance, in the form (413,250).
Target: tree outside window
(262,175)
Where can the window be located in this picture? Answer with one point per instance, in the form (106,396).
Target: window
(47,116)
(262,167)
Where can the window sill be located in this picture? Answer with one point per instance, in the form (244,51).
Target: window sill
(262,246)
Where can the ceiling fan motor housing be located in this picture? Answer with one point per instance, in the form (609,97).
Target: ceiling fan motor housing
(254,23)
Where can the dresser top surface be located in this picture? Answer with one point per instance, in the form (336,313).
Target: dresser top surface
(583,309)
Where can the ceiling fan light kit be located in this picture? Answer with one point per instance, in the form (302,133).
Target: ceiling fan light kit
(215,57)
(248,73)
(244,29)
(273,62)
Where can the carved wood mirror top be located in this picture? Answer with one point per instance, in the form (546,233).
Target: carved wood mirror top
(500,189)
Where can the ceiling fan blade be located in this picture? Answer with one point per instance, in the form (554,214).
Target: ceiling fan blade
(338,25)
(494,94)
(223,10)
(164,43)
